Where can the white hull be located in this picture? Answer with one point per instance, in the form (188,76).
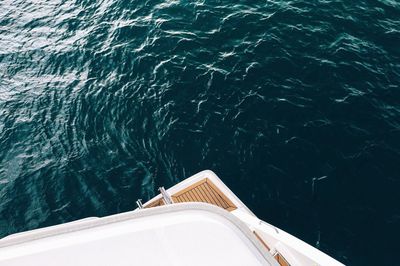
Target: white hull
(179,232)
(294,250)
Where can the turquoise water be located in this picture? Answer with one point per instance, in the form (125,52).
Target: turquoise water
(294,104)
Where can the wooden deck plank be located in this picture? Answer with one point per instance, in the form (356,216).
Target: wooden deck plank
(192,196)
(219,192)
(281,260)
(176,199)
(184,197)
(211,192)
(209,198)
(201,191)
(197,194)
(183,191)
(261,240)
(156,203)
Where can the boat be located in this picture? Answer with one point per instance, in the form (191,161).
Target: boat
(199,221)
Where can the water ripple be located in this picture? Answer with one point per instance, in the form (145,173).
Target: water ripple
(101,102)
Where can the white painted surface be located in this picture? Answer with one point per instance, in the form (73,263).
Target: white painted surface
(160,241)
(295,251)
(178,237)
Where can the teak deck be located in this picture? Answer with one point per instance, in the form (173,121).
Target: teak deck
(201,191)
(281,260)
(205,191)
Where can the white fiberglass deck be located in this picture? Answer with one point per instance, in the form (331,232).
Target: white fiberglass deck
(179,234)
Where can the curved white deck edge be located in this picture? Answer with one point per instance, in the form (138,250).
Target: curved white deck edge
(174,208)
(296,251)
(287,244)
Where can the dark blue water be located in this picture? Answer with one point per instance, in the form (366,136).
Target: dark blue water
(294,104)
